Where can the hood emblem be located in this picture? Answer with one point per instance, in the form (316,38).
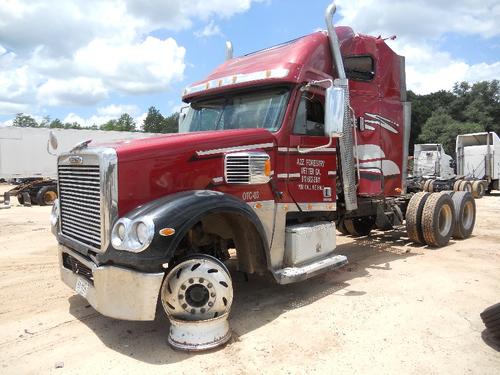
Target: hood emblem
(75,159)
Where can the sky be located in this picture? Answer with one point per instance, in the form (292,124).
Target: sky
(90,61)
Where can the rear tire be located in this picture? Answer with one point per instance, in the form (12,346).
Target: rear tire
(465,214)
(46,196)
(491,319)
(466,186)
(438,219)
(20,198)
(414,217)
(342,228)
(478,189)
(456,185)
(360,226)
(426,185)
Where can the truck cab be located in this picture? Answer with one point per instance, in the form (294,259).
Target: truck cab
(275,150)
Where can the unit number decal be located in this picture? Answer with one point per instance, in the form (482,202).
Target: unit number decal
(250,195)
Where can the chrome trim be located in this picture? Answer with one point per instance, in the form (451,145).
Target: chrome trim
(117,292)
(234,149)
(106,184)
(246,168)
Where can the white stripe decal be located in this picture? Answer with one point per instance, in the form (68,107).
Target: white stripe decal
(332,173)
(233,149)
(237,78)
(217,180)
(293,175)
(294,149)
(282,175)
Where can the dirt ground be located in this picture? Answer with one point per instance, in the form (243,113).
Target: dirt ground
(397,308)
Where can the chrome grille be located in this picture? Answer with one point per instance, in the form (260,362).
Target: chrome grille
(246,168)
(80,203)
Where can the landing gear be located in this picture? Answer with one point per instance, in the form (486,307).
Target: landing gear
(197,295)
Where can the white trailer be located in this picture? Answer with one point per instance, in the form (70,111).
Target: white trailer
(26,156)
(478,157)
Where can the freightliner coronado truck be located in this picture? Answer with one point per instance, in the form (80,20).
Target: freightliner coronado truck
(277,150)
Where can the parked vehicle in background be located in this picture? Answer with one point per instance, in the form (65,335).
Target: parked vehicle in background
(433,171)
(278,148)
(478,157)
(28,159)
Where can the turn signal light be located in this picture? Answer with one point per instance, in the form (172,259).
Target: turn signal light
(167,232)
(267,168)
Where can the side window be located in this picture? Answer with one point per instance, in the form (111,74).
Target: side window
(310,117)
(359,68)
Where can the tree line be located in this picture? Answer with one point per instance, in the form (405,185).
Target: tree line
(154,122)
(436,118)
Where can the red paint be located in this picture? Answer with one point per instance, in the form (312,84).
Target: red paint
(155,167)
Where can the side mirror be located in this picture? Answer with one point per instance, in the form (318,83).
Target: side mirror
(334,111)
(52,142)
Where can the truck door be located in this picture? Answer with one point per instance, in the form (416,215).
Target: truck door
(311,173)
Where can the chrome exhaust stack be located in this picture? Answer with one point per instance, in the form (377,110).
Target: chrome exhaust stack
(346,141)
(229,50)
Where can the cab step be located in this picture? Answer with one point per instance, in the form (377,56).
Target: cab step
(290,275)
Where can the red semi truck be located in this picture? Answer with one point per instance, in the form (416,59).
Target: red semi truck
(277,150)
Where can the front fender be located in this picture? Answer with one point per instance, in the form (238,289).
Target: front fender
(180,211)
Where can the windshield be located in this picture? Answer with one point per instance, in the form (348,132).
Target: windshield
(263,109)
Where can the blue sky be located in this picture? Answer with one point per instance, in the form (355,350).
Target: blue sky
(89,61)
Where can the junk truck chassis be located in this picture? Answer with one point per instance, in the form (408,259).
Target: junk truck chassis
(433,171)
(277,149)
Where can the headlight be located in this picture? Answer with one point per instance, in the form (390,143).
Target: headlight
(132,235)
(142,232)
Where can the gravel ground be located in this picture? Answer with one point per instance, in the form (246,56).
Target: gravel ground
(397,308)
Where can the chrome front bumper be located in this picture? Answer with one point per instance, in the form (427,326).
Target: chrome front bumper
(116,292)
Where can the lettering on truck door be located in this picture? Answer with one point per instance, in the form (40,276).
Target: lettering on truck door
(311,175)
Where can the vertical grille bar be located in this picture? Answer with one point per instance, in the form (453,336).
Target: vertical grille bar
(80,203)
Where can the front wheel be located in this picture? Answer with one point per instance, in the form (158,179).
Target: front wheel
(198,288)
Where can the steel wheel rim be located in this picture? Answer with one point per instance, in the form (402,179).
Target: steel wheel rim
(468,215)
(197,289)
(49,197)
(445,220)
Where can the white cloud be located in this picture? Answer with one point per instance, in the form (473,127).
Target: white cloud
(420,28)
(210,29)
(74,91)
(80,52)
(116,110)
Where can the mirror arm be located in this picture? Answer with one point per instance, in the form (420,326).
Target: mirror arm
(48,149)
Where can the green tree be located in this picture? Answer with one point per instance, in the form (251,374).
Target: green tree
(171,123)
(124,123)
(442,128)
(56,124)
(153,123)
(25,121)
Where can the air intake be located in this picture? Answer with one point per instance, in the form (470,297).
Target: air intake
(246,168)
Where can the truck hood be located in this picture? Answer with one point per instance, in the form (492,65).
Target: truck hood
(151,168)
